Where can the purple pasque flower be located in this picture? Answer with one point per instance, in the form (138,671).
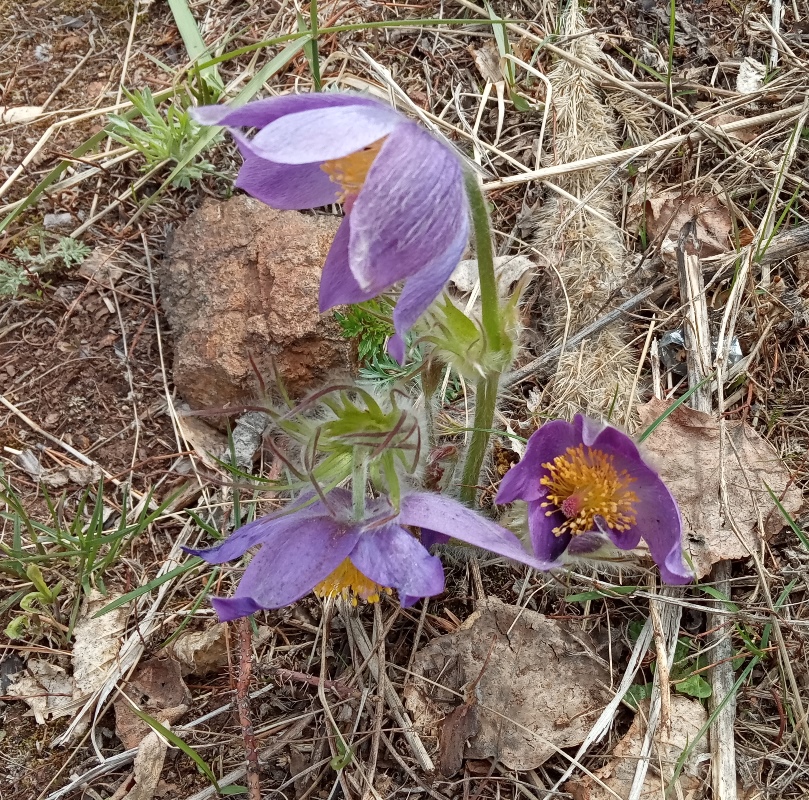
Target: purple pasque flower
(320,547)
(407,216)
(586,480)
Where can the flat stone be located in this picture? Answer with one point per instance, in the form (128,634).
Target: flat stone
(241,280)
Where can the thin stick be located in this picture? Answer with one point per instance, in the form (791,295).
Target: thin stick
(697,333)
(768,223)
(243,704)
(391,697)
(628,155)
(723,745)
(699,365)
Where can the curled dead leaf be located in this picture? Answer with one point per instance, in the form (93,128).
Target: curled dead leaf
(540,690)
(487,60)
(744,136)
(44,687)
(663,212)
(201,652)
(508,270)
(686,452)
(148,766)
(157,687)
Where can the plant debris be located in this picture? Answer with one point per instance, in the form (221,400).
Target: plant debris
(539,687)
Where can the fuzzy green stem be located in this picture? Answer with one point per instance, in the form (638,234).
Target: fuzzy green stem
(486,389)
(489,301)
(485,404)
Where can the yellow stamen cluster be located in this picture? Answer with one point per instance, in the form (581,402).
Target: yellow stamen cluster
(351,170)
(584,484)
(349,583)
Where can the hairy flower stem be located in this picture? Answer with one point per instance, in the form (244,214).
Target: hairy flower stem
(485,404)
(489,301)
(496,341)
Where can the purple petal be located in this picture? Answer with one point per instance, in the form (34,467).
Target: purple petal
(263,112)
(521,482)
(412,202)
(228,608)
(286,186)
(657,515)
(338,286)
(286,570)
(391,556)
(546,544)
(322,134)
(408,600)
(587,429)
(268,529)
(421,289)
(447,516)
(429,538)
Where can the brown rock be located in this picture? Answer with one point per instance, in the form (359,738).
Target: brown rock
(242,280)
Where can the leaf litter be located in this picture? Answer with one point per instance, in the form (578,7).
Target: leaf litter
(538,687)
(688,456)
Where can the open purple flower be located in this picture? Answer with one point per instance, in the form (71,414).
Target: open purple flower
(323,549)
(584,481)
(406,210)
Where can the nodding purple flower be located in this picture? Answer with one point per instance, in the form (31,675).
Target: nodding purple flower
(584,481)
(322,548)
(407,215)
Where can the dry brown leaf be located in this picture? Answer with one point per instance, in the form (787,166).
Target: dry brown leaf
(148,766)
(751,75)
(208,443)
(44,687)
(157,687)
(460,725)
(745,136)
(487,60)
(686,445)
(96,643)
(95,649)
(665,211)
(201,652)
(538,691)
(508,270)
(101,266)
(687,717)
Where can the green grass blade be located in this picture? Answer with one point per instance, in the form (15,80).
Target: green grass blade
(177,742)
(194,44)
(796,529)
(194,561)
(209,134)
(673,407)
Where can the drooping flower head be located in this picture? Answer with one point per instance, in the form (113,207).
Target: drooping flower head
(406,208)
(321,547)
(584,481)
